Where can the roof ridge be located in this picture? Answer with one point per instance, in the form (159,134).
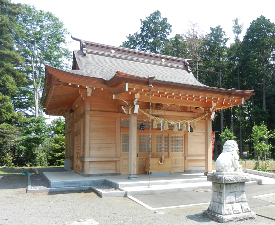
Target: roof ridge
(172,60)
(133,58)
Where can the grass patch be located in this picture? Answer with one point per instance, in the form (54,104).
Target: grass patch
(19,170)
(250,164)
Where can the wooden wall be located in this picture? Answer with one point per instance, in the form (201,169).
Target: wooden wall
(103,144)
(105,136)
(195,157)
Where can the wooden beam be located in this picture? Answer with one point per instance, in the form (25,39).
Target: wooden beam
(208,146)
(118,143)
(87,107)
(186,147)
(83,159)
(118,89)
(173,113)
(129,96)
(133,147)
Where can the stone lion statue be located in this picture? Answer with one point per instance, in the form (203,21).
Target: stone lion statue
(228,160)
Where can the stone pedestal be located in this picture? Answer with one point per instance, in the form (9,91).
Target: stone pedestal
(228,201)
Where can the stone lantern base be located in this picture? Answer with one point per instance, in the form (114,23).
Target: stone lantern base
(228,201)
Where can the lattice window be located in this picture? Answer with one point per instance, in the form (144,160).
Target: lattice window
(144,143)
(124,123)
(144,122)
(176,143)
(159,143)
(125,142)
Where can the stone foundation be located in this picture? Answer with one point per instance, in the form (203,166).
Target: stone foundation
(228,201)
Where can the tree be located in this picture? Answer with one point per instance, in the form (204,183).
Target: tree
(257,69)
(214,62)
(11,78)
(213,57)
(175,46)
(9,138)
(194,39)
(258,137)
(28,152)
(153,34)
(42,41)
(227,134)
(56,144)
(234,55)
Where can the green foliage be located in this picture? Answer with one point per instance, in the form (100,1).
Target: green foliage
(11,78)
(42,41)
(153,34)
(29,39)
(56,155)
(56,145)
(8,141)
(214,57)
(259,138)
(227,135)
(257,71)
(34,134)
(175,46)
(58,126)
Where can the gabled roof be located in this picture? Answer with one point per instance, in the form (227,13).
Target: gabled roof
(125,73)
(103,61)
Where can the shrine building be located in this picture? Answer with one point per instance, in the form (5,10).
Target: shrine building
(133,112)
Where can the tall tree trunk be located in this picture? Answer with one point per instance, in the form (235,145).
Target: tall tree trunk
(197,65)
(264,100)
(36,101)
(240,117)
(220,87)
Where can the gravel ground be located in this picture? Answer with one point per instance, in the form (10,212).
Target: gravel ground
(85,207)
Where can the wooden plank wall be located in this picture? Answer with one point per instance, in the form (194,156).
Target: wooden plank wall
(195,158)
(105,154)
(102,144)
(101,100)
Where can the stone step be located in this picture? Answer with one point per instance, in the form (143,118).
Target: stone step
(170,188)
(160,182)
(166,188)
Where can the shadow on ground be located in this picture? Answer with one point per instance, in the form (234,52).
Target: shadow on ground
(199,217)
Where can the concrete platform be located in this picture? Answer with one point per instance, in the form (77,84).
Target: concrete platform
(120,185)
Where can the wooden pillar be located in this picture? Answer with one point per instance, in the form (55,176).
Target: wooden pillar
(133,147)
(118,144)
(185,147)
(208,145)
(87,135)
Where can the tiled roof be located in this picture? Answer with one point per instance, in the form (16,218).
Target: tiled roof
(102,61)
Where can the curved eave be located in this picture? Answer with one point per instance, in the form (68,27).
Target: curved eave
(120,79)
(62,88)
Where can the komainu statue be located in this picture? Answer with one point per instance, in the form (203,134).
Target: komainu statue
(228,160)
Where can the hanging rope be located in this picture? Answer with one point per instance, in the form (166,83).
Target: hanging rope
(171,121)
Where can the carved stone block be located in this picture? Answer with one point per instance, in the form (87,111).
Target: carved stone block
(228,201)
(240,197)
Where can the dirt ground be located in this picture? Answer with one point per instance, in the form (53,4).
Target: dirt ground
(85,207)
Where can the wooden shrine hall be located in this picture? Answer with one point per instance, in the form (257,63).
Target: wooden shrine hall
(133,112)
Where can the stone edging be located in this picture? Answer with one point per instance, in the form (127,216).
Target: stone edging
(260,173)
